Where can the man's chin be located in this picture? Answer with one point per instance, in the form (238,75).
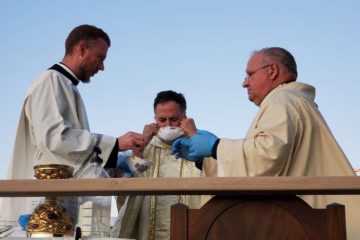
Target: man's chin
(85,80)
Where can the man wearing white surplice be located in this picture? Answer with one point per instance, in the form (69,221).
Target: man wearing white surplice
(288,136)
(53,126)
(148,217)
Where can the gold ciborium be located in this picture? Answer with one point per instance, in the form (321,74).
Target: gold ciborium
(50,219)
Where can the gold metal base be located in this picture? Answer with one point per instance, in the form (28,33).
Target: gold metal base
(49,217)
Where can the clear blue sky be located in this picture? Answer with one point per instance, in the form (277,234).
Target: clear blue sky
(199,48)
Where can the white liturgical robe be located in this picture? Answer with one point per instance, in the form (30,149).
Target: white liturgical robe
(53,129)
(289,137)
(148,217)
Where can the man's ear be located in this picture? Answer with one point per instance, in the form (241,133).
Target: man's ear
(274,71)
(82,48)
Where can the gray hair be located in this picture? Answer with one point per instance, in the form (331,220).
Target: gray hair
(281,56)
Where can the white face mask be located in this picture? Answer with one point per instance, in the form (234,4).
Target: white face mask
(169,134)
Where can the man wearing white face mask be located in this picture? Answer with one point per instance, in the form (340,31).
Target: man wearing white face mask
(148,217)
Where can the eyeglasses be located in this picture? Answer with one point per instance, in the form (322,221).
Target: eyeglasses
(249,74)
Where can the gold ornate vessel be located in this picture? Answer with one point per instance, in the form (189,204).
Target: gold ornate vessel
(50,219)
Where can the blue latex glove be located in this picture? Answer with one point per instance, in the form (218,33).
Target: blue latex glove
(180,148)
(23,220)
(122,165)
(197,147)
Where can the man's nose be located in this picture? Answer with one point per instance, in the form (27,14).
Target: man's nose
(245,83)
(174,124)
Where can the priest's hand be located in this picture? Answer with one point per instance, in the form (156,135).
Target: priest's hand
(133,141)
(122,164)
(130,164)
(188,126)
(149,131)
(196,147)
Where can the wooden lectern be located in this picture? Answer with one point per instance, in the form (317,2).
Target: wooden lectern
(258,218)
